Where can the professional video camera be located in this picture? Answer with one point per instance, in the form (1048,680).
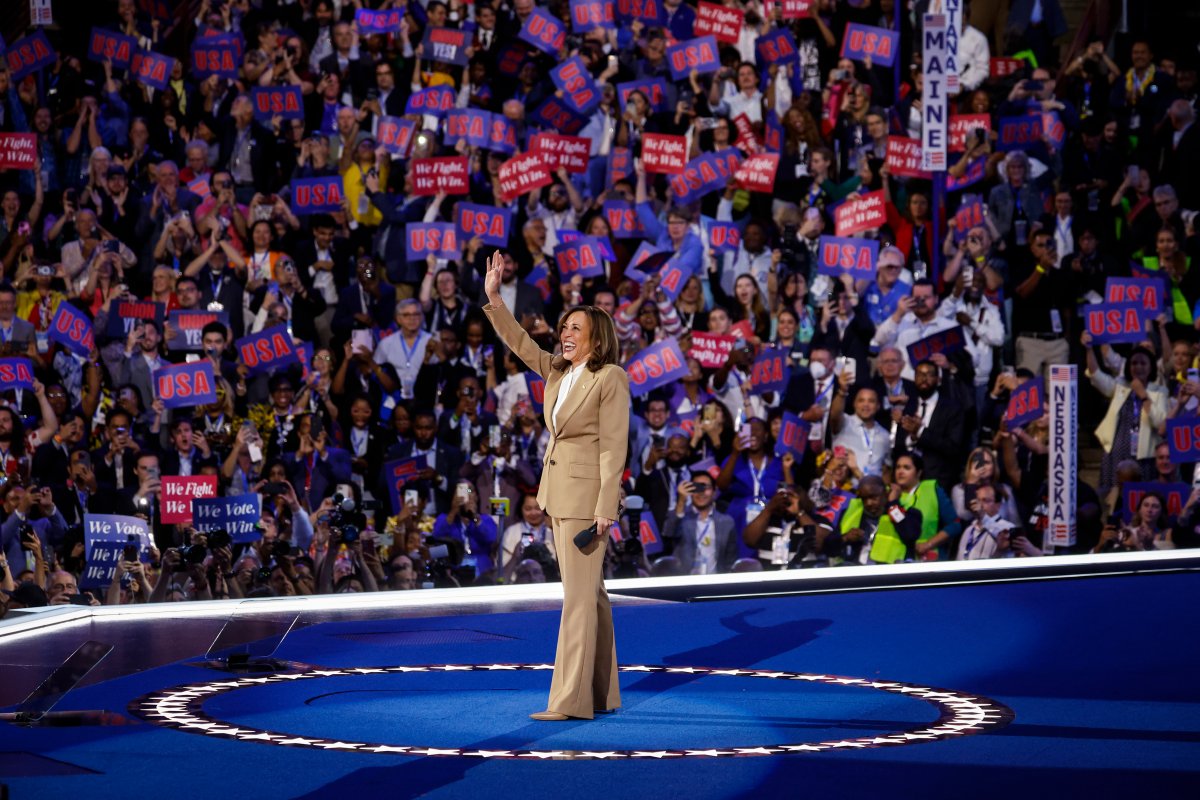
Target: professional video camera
(444,568)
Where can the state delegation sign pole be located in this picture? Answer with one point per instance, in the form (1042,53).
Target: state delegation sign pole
(935,87)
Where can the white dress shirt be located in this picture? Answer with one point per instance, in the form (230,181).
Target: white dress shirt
(568,383)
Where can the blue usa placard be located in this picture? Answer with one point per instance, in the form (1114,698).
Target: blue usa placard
(502,135)
(1026,404)
(777,47)
(369,21)
(467,124)
(267,350)
(28,54)
(950,340)
(186,385)
(285,102)
(724,237)
(1174,497)
(622,218)
(239,515)
(105,45)
(537,391)
(577,85)
(436,101)
(396,134)
(16,373)
(320,195)
(432,238)
(582,258)
(544,31)
(1150,292)
(587,15)
(1183,439)
(1112,323)
(72,329)
(492,225)
(848,254)
(654,90)
(399,474)
(793,436)
(652,13)
(215,57)
(657,365)
(769,372)
(701,54)
(152,69)
(861,42)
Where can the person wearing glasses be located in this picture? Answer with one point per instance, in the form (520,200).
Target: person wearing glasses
(405,350)
(587,411)
(892,282)
(702,538)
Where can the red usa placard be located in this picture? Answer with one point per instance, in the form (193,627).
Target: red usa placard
(757,173)
(853,216)
(522,174)
(904,157)
(557,151)
(445,174)
(720,21)
(664,153)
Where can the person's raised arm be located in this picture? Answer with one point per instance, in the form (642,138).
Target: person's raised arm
(507,328)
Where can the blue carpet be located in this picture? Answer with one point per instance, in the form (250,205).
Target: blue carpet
(1098,672)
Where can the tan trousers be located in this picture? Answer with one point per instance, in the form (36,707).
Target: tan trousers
(585,664)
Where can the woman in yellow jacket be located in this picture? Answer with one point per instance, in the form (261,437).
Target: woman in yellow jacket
(354,178)
(38,304)
(1136,411)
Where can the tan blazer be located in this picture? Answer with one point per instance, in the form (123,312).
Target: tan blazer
(585,458)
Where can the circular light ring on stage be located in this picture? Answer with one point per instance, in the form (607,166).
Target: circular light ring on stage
(960,714)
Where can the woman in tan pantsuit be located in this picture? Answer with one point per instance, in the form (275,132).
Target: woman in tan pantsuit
(586,405)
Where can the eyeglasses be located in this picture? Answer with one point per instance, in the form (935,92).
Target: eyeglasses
(323,358)
(701,488)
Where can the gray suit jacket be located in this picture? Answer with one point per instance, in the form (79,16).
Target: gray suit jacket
(22,334)
(681,532)
(134,370)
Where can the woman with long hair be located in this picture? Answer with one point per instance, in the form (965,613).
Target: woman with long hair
(587,410)
(1136,410)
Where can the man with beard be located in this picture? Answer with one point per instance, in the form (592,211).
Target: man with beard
(915,318)
(867,534)
(702,538)
(141,360)
(660,486)
(933,423)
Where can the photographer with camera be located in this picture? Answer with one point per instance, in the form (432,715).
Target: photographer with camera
(463,523)
(32,526)
(785,531)
(982,537)
(702,538)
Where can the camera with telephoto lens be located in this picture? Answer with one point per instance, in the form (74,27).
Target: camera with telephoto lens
(219,539)
(345,518)
(190,555)
(789,249)
(444,568)
(629,550)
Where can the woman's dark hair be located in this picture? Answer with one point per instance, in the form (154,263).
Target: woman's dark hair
(916,458)
(1148,353)
(1159,523)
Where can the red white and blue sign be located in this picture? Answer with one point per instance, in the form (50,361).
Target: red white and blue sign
(370,22)
(1019,133)
(16,373)
(492,225)
(582,257)
(284,102)
(1174,496)
(28,54)
(447,45)
(396,134)
(950,340)
(1026,404)
(1183,438)
(652,542)
(654,90)
(544,31)
(588,15)
(152,69)
(432,238)
(435,101)
(502,135)
(181,385)
(793,436)
(239,515)
(267,350)
(657,365)
(866,41)
(72,329)
(399,474)
(105,45)
(537,391)
(724,237)
(623,220)
(125,315)
(1150,292)
(769,373)
(673,278)
(558,116)
(652,13)
(321,195)
(974,174)
(215,57)
(578,87)
(1113,323)
(469,124)
(701,54)
(840,255)
(776,47)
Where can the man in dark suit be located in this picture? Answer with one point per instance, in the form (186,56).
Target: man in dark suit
(189,452)
(659,487)
(440,379)
(16,334)
(313,469)
(465,424)
(300,306)
(82,493)
(390,243)
(933,423)
(248,152)
(114,461)
(892,388)
(142,358)
(370,302)
(703,539)
(52,460)
(166,200)
(356,73)
(1179,153)
(219,283)
(324,260)
(433,482)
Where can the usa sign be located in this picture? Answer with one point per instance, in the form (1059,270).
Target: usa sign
(16,373)
(544,31)
(436,101)
(285,102)
(152,69)
(658,365)
(587,15)
(950,340)
(1019,133)
(1111,323)
(701,54)
(724,237)
(622,218)
(582,257)
(844,254)
(793,436)
(769,372)
(28,54)
(1026,404)
(467,124)
(432,238)
(1183,437)
(396,135)
(776,47)
(181,385)
(1150,292)
(370,22)
(267,350)
(321,195)
(105,45)
(492,225)
(861,42)
(398,474)
(577,85)
(72,329)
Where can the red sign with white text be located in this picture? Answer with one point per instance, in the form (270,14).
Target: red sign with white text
(18,150)
(712,350)
(523,174)
(664,153)
(796,9)
(720,21)
(904,157)
(853,216)
(962,125)
(178,492)
(432,175)
(757,173)
(571,152)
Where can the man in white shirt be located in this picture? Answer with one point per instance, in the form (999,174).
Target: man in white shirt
(982,325)
(974,54)
(915,318)
(859,433)
(980,538)
(405,349)
(1064,239)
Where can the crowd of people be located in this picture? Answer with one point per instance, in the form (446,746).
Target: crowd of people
(182,197)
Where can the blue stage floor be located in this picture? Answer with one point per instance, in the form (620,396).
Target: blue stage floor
(1099,675)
